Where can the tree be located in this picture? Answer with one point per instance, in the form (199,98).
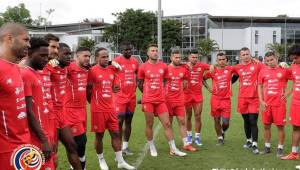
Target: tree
(206,46)
(139,28)
(17,14)
(171,34)
(88,43)
(279,50)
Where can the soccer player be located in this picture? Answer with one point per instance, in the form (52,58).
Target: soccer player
(102,83)
(221,94)
(74,105)
(126,98)
(151,76)
(14,43)
(34,97)
(59,53)
(248,102)
(176,81)
(294,53)
(193,96)
(272,81)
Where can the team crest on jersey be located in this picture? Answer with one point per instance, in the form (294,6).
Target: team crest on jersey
(133,66)
(225,71)
(252,68)
(9,81)
(161,71)
(180,74)
(279,75)
(111,76)
(198,69)
(27,157)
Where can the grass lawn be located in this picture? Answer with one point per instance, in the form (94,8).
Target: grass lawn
(230,156)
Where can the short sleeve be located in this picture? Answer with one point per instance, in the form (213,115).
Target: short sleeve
(141,72)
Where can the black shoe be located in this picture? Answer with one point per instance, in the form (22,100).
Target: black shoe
(266,151)
(223,135)
(255,150)
(248,145)
(279,152)
(220,142)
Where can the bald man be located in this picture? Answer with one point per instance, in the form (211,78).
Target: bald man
(14,130)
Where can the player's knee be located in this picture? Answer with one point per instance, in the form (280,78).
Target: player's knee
(181,122)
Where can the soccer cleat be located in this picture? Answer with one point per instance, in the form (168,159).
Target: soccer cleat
(198,141)
(103,165)
(124,165)
(127,152)
(298,167)
(189,148)
(220,142)
(153,151)
(255,150)
(291,156)
(266,151)
(177,152)
(248,145)
(190,139)
(279,152)
(223,135)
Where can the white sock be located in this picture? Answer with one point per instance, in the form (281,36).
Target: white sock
(100,156)
(119,156)
(220,137)
(82,159)
(124,145)
(268,145)
(151,144)
(185,141)
(249,140)
(189,133)
(280,146)
(197,135)
(254,144)
(295,149)
(172,145)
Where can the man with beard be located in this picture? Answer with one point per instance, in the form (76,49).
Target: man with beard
(14,44)
(34,97)
(126,98)
(74,105)
(59,55)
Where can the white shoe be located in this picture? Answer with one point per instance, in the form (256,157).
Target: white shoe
(103,165)
(125,165)
(177,153)
(153,151)
(298,167)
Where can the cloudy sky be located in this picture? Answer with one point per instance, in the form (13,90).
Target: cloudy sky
(69,11)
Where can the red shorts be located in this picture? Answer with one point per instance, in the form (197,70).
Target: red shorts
(126,108)
(75,118)
(176,109)
(295,115)
(5,161)
(274,114)
(155,108)
(220,107)
(60,121)
(100,121)
(192,100)
(248,105)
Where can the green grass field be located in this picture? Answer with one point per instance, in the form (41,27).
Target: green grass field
(230,156)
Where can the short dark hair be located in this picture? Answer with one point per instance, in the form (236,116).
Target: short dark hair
(151,45)
(80,49)
(270,53)
(294,50)
(98,50)
(49,37)
(125,45)
(193,51)
(36,43)
(63,45)
(245,49)
(222,54)
(175,51)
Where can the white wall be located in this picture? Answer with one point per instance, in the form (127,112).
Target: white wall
(228,39)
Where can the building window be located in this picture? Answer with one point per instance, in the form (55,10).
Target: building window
(256,37)
(256,54)
(274,37)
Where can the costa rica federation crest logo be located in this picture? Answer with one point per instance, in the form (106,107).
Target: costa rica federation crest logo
(27,157)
